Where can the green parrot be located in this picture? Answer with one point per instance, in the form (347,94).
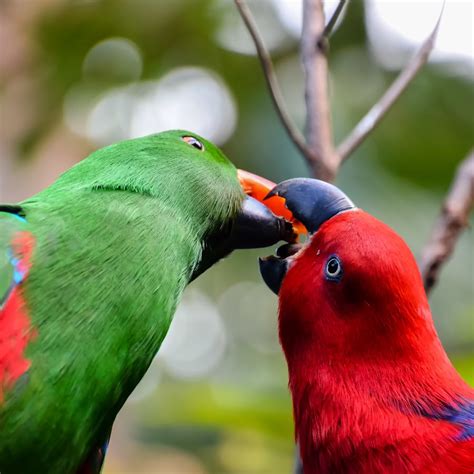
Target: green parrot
(91,271)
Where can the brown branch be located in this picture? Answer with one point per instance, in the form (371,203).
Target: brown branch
(451,222)
(332,21)
(318,115)
(380,109)
(272,83)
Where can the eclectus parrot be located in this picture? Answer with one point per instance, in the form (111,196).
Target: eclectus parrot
(91,271)
(372,387)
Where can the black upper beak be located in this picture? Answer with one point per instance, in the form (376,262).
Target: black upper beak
(312,202)
(254,227)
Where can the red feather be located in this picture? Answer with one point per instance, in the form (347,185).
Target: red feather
(15,325)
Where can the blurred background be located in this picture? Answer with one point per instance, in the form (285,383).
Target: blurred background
(77,75)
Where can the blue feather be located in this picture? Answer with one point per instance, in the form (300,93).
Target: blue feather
(18,275)
(461,414)
(18,217)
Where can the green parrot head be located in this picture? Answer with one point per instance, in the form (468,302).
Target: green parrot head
(193,179)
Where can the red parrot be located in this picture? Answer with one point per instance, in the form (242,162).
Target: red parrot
(373,390)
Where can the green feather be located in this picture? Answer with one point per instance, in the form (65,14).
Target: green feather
(117,239)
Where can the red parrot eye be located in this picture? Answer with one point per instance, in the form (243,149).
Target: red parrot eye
(194,142)
(333,269)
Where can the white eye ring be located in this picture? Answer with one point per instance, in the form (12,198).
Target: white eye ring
(333,269)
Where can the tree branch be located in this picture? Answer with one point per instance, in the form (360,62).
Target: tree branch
(451,222)
(332,21)
(318,115)
(380,109)
(270,77)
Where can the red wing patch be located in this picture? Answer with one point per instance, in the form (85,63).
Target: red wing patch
(15,328)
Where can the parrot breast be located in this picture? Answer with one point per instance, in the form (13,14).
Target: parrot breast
(15,329)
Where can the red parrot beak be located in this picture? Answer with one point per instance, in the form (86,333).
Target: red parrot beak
(312,202)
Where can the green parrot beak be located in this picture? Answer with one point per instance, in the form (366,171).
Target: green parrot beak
(256,226)
(259,223)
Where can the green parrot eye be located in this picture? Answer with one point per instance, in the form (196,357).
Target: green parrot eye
(333,270)
(194,142)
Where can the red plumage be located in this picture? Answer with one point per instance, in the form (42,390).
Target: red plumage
(15,330)
(373,389)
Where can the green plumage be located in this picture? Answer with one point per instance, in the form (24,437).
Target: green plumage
(117,239)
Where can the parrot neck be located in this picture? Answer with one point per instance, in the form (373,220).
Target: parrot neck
(352,407)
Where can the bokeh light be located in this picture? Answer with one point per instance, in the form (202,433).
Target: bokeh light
(234,36)
(113,59)
(396,29)
(196,340)
(188,97)
(250,315)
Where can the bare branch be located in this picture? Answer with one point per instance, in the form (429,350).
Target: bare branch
(332,21)
(266,62)
(452,220)
(318,115)
(380,109)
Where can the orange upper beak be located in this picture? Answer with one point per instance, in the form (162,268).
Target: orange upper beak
(257,187)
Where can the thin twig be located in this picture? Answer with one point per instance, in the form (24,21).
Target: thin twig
(380,109)
(269,72)
(332,21)
(451,222)
(318,115)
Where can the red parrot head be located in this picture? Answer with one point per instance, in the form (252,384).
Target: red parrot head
(352,289)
